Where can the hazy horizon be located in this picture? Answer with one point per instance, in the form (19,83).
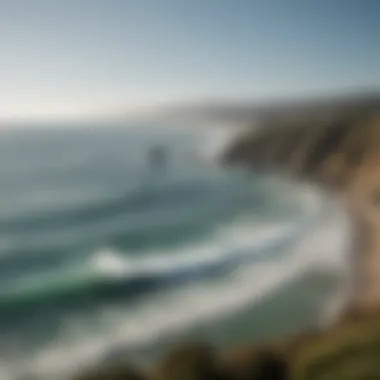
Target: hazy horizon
(86,59)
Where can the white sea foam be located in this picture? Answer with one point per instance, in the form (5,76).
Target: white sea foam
(241,238)
(246,238)
(229,245)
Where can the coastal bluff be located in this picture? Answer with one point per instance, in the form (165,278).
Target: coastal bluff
(339,153)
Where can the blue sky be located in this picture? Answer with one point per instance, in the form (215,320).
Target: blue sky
(77,57)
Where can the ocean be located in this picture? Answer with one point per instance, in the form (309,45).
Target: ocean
(105,255)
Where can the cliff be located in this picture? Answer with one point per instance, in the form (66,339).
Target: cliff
(340,153)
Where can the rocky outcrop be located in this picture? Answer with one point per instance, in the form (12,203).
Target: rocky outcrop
(190,362)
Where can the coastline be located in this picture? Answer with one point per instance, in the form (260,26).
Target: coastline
(345,342)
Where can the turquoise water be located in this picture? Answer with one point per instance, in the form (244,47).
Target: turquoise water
(101,252)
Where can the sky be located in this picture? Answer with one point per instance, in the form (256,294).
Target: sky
(85,57)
